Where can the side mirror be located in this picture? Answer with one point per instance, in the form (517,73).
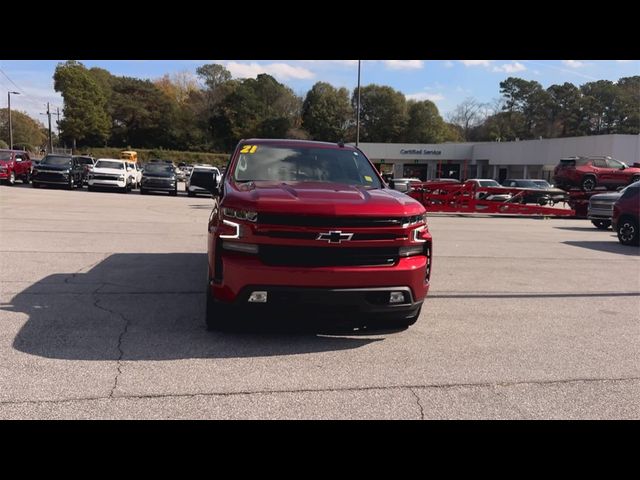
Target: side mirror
(208,182)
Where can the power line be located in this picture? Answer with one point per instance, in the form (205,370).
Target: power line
(14,83)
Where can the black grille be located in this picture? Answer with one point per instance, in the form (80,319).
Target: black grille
(105,177)
(333,222)
(51,177)
(286,256)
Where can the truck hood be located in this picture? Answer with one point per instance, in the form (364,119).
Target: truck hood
(53,168)
(608,197)
(318,198)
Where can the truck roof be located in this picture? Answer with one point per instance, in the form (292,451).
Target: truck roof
(292,142)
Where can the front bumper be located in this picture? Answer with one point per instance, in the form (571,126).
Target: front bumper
(164,186)
(321,302)
(241,272)
(51,178)
(107,183)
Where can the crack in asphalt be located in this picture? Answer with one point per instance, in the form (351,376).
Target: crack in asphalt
(418,402)
(320,390)
(120,337)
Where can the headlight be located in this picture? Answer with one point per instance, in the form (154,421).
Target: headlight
(415,220)
(121,178)
(240,214)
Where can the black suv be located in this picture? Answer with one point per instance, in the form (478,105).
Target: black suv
(58,170)
(87,163)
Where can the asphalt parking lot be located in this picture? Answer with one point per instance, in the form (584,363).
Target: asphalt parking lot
(102,304)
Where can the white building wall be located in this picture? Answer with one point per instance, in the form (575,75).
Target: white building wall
(539,156)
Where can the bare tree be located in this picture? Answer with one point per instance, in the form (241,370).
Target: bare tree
(469,114)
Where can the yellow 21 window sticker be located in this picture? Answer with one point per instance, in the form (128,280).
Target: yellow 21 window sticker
(249,149)
(368,178)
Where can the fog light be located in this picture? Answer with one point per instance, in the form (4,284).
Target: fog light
(258,297)
(396,297)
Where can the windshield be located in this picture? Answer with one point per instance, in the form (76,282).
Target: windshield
(5,156)
(109,164)
(489,183)
(84,160)
(525,184)
(158,168)
(55,160)
(542,183)
(304,164)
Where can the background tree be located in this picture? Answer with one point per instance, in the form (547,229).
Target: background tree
(565,110)
(142,115)
(383,113)
(326,112)
(85,117)
(256,108)
(424,123)
(26,130)
(629,110)
(467,115)
(530,100)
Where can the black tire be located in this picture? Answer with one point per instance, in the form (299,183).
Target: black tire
(635,178)
(35,184)
(71,184)
(216,314)
(27,178)
(174,193)
(12,178)
(588,183)
(628,233)
(190,193)
(143,191)
(601,224)
(90,188)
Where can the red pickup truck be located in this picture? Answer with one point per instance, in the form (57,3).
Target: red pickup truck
(310,229)
(15,164)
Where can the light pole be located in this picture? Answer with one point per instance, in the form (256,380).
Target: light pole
(358,109)
(9,110)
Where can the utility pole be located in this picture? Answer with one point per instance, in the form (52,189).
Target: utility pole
(358,109)
(50,139)
(9,112)
(58,124)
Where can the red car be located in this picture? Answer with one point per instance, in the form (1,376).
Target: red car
(14,165)
(310,228)
(591,172)
(626,213)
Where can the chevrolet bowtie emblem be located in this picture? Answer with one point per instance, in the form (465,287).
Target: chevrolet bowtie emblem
(335,236)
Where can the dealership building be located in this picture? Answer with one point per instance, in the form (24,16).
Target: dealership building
(497,160)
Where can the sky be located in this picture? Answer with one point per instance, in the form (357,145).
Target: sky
(445,82)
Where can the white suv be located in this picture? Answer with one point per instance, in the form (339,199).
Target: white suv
(110,173)
(135,174)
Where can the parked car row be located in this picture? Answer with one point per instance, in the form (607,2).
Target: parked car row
(123,174)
